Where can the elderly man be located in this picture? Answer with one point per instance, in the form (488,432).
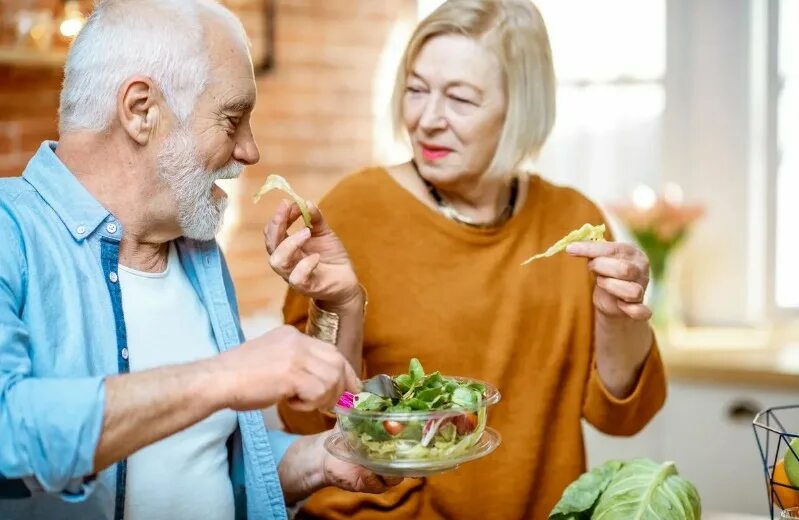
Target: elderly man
(125,389)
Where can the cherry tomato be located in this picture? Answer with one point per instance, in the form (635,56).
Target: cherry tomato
(465,423)
(393,427)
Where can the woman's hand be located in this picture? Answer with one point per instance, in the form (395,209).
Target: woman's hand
(622,276)
(622,335)
(312,261)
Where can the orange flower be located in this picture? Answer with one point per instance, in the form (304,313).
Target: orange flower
(667,221)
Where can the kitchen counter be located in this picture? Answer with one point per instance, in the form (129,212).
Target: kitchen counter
(731,516)
(736,356)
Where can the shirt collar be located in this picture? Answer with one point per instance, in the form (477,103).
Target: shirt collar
(74,205)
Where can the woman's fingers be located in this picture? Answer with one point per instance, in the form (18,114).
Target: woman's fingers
(630,292)
(301,274)
(288,253)
(275,231)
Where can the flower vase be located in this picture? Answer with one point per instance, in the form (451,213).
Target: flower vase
(659,302)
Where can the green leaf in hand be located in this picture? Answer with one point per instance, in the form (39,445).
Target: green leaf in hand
(276,182)
(587,232)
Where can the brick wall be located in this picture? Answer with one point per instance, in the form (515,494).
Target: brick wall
(313,120)
(28,114)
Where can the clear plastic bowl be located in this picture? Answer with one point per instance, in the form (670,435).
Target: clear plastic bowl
(421,436)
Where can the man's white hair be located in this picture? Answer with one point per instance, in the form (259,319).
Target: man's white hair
(161,39)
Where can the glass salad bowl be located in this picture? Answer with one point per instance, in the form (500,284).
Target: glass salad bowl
(428,424)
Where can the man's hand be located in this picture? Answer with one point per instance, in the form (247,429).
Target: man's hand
(308,467)
(144,407)
(350,477)
(284,364)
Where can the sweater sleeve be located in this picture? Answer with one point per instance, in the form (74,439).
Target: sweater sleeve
(627,416)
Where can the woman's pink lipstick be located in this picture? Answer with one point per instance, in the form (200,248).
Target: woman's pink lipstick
(433,153)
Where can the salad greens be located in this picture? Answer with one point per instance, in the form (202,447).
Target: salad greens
(638,488)
(276,182)
(586,232)
(420,391)
(456,425)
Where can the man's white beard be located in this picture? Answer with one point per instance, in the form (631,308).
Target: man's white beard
(180,167)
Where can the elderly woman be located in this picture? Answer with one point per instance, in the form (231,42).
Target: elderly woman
(438,242)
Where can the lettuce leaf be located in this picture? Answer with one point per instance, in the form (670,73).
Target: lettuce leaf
(447,436)
(420,391)
(276,182)
(660,494)
(582,495)
(639,489)
(586,232)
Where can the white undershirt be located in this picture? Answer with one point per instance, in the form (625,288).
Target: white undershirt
(184,476)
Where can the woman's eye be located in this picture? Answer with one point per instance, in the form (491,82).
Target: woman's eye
(415,90)
(461,100)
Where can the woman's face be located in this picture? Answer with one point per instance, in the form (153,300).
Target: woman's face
(454,108)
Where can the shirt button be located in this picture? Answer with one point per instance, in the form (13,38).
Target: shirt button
(113,277)
(124,352)
(111,228)
(81,230)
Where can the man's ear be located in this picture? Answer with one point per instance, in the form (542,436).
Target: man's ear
(138,108)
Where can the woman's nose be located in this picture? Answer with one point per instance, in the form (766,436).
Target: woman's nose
(433,114)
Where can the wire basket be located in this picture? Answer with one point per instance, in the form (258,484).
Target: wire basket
(775,428)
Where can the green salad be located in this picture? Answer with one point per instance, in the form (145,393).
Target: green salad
(446,417)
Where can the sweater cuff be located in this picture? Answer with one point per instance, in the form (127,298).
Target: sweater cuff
(630,414)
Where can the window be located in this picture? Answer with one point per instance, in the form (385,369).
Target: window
(610,63)
(787,163)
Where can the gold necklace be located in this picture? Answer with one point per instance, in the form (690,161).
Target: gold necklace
(453,214)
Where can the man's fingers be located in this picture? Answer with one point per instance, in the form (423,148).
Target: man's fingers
(312,392)
(352,382)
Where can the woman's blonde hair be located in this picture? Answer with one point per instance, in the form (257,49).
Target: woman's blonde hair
(515,32)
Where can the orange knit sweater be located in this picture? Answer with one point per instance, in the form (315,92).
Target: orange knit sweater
(457,299)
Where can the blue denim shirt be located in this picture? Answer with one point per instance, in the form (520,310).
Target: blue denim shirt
(62,332)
